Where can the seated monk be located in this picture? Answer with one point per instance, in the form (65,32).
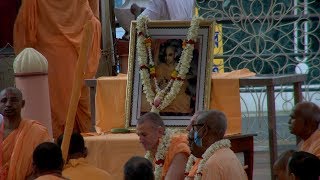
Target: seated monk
(48,162)
(206,142)
(280,166)
(167,151)
(19,137)
(138,168)
(192,170)
(77,167)
(304,166)
(304,123)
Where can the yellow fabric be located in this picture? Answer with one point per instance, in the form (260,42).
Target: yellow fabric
(179,144)
(110,152)
(49,177)
(79,169)
(55,29)
(18,148)
(312,144)
(225,96)
(110,102)
(111,94)
(223,165)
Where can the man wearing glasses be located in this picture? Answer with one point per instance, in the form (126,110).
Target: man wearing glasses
(206,132)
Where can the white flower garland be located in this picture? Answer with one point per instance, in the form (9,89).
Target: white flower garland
(189,165)
(224,143)
(163,97)
(160,155)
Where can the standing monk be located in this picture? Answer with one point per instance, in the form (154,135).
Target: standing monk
(19,137)
(55,29)
(304,122)
(169,152)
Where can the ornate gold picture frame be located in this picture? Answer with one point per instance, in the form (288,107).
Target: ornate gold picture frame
(167,41)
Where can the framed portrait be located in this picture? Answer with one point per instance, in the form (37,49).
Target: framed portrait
(167,42)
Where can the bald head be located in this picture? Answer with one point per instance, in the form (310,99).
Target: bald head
(308,111)
(11,103)
(304,119)
(13,90)
(216,122)
(152,118)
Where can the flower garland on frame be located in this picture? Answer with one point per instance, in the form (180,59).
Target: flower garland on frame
(224,143)
(163,97)
(160,155)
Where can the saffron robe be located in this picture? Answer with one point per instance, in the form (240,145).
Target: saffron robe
(18,148)
(312,144)
(179,144)
(223,165)
(55,29)
(80,169)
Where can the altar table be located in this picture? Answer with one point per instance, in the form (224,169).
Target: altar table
(108,96)
(268,80)
(111,151)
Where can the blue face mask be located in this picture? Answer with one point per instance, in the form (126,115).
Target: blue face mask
(197,140)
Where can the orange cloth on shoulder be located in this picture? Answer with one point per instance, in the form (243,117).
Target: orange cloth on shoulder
(55,29)
(18,148)
(179,144)
(80,169)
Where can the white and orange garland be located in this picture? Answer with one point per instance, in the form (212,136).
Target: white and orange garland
(161,98)
(160,155)
(190,163)
(224,143)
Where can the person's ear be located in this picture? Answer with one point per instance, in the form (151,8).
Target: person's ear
(161,130)
(23,102)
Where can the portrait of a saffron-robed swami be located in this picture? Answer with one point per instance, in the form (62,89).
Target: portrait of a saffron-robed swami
(167,54)
(167,41)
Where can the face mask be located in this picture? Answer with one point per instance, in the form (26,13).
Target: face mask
(197,140)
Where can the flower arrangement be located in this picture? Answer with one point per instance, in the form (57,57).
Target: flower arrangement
(224,143)
(161,98)
(160,155)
